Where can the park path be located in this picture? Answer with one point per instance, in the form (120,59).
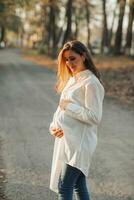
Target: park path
(27,103)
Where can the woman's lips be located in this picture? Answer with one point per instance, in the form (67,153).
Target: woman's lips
(72,68)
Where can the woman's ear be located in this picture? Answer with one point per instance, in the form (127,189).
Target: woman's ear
(83,57)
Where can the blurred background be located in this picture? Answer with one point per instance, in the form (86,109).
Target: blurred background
(40,28)
(31,34)
(105,26)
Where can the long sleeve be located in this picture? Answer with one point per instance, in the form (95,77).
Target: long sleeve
(54,123)
(91,112)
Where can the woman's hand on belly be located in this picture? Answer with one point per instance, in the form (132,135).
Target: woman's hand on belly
(57,132)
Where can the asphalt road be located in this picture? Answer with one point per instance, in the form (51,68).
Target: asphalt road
(27,103)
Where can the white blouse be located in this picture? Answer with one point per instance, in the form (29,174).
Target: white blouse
(79,123)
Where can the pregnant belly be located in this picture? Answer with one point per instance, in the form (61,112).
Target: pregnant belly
(66,121)
(73,130)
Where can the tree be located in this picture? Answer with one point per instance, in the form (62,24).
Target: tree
(8,19)
(87,9)
(104,42)
(52,30)
(51,25)
(68,31)
(110,35)
(118,36)
(130,27)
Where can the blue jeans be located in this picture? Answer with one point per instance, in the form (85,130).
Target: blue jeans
(72,179)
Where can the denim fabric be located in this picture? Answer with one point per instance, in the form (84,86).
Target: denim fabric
(72,180)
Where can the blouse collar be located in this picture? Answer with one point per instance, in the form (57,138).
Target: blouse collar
(82,74)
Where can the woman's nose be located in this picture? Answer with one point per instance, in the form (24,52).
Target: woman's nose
(69,62)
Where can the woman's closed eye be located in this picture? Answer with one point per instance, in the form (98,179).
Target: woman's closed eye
(70,59)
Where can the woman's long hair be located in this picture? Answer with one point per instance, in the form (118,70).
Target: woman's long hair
(64,73)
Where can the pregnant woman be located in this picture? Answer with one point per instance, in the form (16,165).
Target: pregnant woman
(75,121)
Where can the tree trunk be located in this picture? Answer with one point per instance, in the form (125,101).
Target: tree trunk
(130,27)
(104,42)
(53,28)
(2,34)
(76,28)
(88,22)
(118,36)
(50,27)
(68,32)
(47,29)
(111,29)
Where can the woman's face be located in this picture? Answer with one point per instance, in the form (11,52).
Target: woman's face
(74,61)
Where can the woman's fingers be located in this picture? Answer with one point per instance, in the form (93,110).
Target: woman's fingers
(57,132)
(59,135)
(54,130)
